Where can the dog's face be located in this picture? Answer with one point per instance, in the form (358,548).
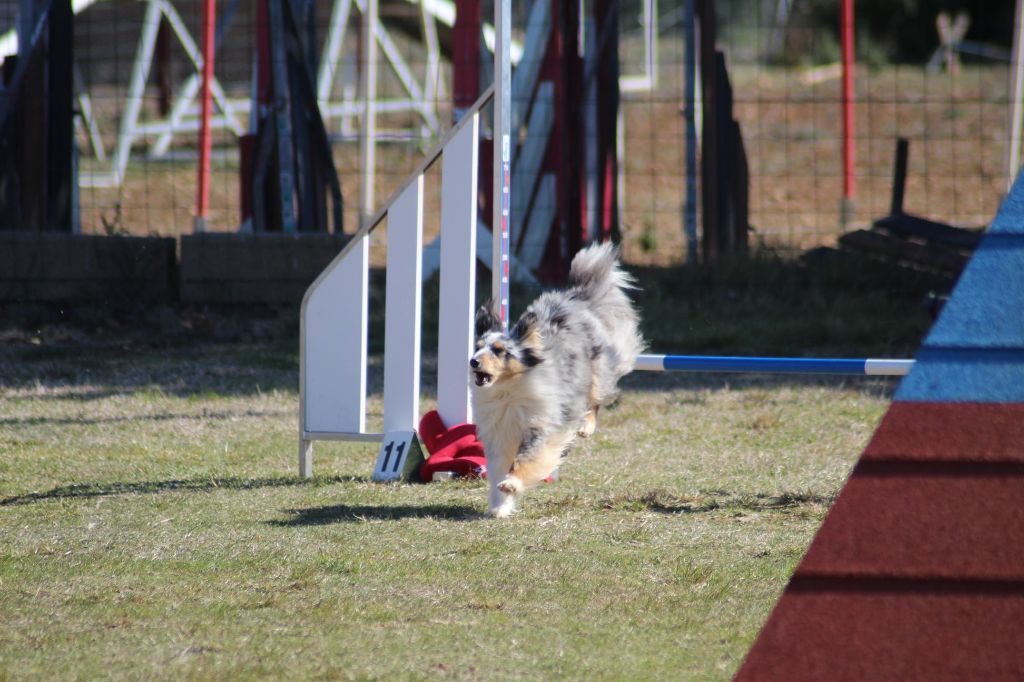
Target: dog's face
(503,356)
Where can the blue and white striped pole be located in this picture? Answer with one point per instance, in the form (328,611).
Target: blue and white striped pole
(723,363)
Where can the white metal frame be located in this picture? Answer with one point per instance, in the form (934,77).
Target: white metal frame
(648,80)
(334,313)
(184,114)
(420,99)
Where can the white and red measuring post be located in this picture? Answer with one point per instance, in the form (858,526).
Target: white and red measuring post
(502,157)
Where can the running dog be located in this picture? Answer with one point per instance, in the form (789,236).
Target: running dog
(539,386)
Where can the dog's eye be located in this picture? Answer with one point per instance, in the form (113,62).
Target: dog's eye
(499,351)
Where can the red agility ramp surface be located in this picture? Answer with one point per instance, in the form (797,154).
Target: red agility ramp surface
(917,572)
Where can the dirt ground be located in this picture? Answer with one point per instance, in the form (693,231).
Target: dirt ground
(790,121)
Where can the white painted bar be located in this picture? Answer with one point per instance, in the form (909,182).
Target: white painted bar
(332,49)
(458,274)
(649,363)
(884,367)
(402,310)
(136,89)
(368,131)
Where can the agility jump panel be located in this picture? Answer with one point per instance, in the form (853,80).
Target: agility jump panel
(458,274)
(334,327)
(402,310)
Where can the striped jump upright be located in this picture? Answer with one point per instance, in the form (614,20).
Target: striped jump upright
(917,572)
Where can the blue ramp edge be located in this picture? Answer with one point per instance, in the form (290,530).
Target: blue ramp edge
(1010,217)
(975,351)
(987,305)
(965,375)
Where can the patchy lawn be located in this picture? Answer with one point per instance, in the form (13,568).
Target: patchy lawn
(153,527)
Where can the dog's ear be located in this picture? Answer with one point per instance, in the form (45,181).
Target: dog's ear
(527,332)
(527,329)
(486,319)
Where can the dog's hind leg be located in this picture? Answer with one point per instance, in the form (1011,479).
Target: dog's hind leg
(589,422)
(594,402)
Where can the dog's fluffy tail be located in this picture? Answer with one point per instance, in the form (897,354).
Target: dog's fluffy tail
(597,278)
(595,271)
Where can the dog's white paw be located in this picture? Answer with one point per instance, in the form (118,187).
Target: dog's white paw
(502,512)
(589,425)
(503,509)
(511,486)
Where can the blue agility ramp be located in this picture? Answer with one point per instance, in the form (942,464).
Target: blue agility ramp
(917,572)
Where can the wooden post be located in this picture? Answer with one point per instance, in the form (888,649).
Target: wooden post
(60,124)
(709,131)
(690,112)
(899,176)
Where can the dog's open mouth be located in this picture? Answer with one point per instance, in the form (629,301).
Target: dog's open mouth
(482,378)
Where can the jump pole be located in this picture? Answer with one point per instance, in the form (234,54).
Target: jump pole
(199,223)
(846,33)
(501,199)
(724,363)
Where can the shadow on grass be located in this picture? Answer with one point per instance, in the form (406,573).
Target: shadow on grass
(87,490)
(344,513)
(715,500)
(206,415)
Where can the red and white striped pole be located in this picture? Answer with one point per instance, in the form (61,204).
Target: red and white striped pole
(203,179)
(846,30)
(501,201)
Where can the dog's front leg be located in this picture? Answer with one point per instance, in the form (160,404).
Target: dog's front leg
(539,455)
(501,503)
(515,474)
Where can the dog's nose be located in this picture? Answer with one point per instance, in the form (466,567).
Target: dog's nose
(474,363)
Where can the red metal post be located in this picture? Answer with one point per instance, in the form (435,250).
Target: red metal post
(846,26)
(203,180)
(466,55)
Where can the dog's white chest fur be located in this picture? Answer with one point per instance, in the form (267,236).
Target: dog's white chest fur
(505,416)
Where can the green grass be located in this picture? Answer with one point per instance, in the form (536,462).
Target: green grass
(152,525)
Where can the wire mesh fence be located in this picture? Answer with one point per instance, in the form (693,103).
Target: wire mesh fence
(781,62)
